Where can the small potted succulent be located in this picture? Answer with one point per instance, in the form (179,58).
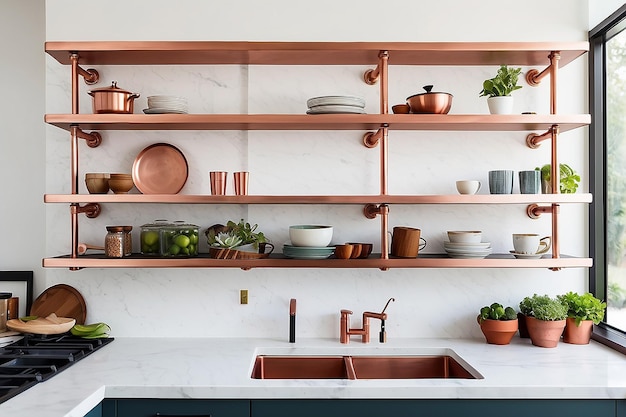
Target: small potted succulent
(499,88)
(568,181)
(498,324)
(583,311)
(236,238)
(545,319)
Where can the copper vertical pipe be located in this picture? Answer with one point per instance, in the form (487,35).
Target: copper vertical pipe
(74,62)
(555,176)
(384,227)
(554,70)
(74,158)
(384,158)
(384,90)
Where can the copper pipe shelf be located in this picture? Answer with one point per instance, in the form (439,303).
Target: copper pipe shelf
(321,199)
(280,261)
(312,53)
(414,122)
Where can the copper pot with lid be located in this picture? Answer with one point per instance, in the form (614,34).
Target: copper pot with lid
(430,102)
(113,99)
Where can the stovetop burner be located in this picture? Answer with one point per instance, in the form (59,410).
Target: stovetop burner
(37,358)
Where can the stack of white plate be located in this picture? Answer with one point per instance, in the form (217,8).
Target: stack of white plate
(166,104)
(467,250)
(307,252)
(335,104)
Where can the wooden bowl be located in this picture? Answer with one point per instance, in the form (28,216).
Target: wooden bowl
(121,183)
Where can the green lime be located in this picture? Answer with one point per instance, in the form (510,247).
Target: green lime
(150,238)
(194,238)
(182,241)
(174,250)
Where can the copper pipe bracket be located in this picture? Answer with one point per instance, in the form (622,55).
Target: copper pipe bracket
(534,77)
(371,139)
(372,210)
(534,211)
(371,76)
(533,140)
(91,210)
(90,75)
(93,139)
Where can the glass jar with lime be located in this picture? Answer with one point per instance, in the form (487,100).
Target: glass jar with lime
(180,239)
(151,237)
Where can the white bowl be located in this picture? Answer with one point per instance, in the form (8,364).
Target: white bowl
(310,235)
(465,236)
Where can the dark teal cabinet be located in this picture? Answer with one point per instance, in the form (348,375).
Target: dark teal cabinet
(179,408)
(95,412)
(432,408)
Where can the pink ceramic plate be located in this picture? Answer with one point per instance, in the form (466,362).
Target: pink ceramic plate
(160,169)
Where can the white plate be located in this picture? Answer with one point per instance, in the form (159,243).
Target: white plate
(336,100)
(158,110)
(335,109)
(469,251)
(527,256)
(467,246)
(467,256)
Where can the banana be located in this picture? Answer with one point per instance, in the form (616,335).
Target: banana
(91,330)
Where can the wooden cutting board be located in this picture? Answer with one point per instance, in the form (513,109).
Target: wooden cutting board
(43,325)
(62,300)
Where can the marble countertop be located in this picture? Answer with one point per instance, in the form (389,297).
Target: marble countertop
(221,368)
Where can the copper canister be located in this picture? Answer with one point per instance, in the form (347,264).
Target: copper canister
(4,301)
(13,308)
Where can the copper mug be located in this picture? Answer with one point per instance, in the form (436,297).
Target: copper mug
(406,242)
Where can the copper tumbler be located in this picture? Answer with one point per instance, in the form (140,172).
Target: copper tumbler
(241,182)
(218,182)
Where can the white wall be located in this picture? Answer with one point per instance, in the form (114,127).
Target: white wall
(204,302)
(601,9)
(22,136)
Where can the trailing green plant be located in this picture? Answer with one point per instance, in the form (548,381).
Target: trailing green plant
(568,181)
(543,307)
(503,84)
(497,311)
(234,234)
(583,307)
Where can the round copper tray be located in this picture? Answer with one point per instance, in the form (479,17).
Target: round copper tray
(160,168)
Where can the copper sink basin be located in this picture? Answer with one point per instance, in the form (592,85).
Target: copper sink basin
(359,367)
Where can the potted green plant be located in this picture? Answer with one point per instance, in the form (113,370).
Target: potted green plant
(568,182)
(583,311)
(498,323)
(241,236)
(545,319)
(499,88)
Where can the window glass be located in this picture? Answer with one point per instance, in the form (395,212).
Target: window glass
(615,153)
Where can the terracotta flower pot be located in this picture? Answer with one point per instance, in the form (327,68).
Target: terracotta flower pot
(544,333)
(498,332)
(577,335)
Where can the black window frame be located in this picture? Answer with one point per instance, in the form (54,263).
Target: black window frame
(598,36)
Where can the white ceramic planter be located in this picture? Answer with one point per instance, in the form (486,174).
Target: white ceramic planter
(500,105)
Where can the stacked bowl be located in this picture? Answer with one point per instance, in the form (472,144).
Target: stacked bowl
(466,244)
(309,242)
(335,104)
(166,104)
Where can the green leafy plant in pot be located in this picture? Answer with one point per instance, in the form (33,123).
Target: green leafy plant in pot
(545,319)
(583,311)
(498,324)
(499,88)
(568,181)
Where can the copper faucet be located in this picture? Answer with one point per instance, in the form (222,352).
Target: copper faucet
(364,332)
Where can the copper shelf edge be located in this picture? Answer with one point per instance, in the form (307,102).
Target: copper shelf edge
(444,122)
(312,53)
(279,261)
(322,199)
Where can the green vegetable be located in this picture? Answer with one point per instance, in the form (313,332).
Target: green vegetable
(91,331)
(497,311)
(569,179)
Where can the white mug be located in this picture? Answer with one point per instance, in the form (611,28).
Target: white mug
(531,244)
(468,186)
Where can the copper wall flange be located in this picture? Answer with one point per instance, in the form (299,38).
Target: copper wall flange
(90,75)
(93,139)
(533,78)
(371,211)
(91,210)
(371,76)
(534,211)
(371,139)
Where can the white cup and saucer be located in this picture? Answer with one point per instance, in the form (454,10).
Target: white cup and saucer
(530,245)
